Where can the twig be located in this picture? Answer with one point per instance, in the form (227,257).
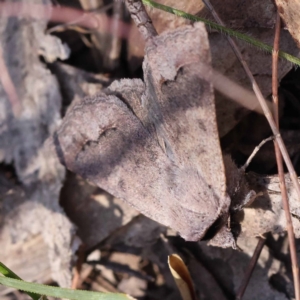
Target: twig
(263,104)
(275,69)
(116,42)
(282,184)
(254,152)
(90,20)
(279,142)
(77,269)
(141,18)
(232,90)
(72,25)
(250,268)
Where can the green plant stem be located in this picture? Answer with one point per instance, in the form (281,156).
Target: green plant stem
(61,292)
(243,37)
(9,273)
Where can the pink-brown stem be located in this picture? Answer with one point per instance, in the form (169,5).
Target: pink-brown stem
(250,268)
(97,21)
(263,103)
(279,142)
(8,86)
(285,202)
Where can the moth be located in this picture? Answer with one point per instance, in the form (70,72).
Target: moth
(155,143)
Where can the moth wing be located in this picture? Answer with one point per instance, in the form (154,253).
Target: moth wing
(181,107)
(162,157)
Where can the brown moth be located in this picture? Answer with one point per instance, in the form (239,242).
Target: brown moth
(155,144)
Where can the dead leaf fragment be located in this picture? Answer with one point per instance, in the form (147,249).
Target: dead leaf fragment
(290,13)
(40,175)
(182,277)
(266,213)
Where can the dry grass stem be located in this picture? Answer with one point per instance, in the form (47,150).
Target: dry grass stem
(77,269)
(264,105)
(285,202)
(115,50)
(279,144)
(250,268)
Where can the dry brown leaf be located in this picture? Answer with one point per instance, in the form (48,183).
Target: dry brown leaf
(290,12)
(266,213)
(165,21)
(182,277)
(39,174)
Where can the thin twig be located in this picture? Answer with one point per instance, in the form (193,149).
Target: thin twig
(282,184)
(141,18)
(275,69)
(232,90)
(254,152)
(263,104)
(77,269)
(116,42)
(278,144)
(250,268)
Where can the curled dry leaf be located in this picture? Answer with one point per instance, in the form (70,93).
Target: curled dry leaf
(182,277)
